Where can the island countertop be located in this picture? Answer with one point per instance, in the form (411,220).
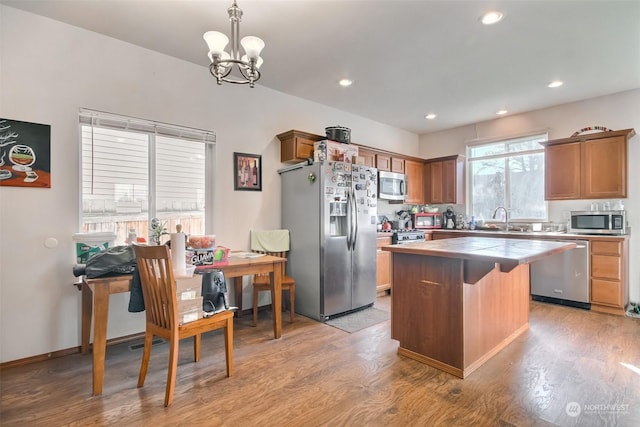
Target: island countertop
(499,250)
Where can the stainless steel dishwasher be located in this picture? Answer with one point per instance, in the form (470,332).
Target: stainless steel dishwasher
(563,278)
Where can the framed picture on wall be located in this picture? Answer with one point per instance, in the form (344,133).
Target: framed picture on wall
(25,154)
(247,172)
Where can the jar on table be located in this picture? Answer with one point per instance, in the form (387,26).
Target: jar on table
(131,239)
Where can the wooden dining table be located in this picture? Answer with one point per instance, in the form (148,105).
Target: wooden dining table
(96,292)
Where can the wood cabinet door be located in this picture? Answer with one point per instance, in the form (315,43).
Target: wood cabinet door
(383,264)
(436,183)
(383,270)
(368,157)
(606,292)
(606,267)
(450,181)
(296,145)
(415,180)
(427,182)
(397,165)
(562,171)
(304,148)
(383,163)
(604,168)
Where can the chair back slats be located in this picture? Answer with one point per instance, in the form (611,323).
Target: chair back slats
(158,285)
(282,254)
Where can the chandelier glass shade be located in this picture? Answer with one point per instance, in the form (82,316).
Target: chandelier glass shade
(223,63)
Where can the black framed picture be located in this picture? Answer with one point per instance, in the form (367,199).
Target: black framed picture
(247,172)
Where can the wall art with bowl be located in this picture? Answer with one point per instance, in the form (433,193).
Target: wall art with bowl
(25,154)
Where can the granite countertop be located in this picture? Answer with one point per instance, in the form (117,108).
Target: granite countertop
(498,250)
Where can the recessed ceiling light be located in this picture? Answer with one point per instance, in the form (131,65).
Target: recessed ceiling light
(492,17)
(555,83)
(430,116)
(501,112)
(345,82)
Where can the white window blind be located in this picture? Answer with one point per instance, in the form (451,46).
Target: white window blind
(131,124)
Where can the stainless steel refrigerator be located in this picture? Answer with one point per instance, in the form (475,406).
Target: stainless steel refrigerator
(330,210)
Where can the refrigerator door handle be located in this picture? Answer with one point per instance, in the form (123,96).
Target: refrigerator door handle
(348,220)
(355,220)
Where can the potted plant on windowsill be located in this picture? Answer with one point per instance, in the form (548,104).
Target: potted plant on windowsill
(157,230)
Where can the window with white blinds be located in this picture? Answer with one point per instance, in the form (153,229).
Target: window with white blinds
(134,170)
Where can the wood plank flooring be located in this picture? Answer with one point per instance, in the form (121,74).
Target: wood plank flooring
(317,375)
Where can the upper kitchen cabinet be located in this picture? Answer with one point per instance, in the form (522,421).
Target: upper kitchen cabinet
(592,166)
(390,164)
(562,171)
(297,146)
(398,165)
(415,182)
(368,157)
(444,180)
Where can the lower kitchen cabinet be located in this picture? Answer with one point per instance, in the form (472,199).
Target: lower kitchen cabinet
(609,282)
(439,235)
(383,265)
(608,272)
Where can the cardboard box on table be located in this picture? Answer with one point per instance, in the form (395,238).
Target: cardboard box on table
(189,288)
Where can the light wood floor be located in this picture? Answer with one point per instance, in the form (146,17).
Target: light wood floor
(316,375)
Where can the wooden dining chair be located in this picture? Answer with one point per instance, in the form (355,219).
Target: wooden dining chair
(262,283)
(161,306)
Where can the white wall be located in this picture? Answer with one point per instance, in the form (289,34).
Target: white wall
(48,71)
(618,111)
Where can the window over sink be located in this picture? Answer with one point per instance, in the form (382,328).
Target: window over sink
(507,173)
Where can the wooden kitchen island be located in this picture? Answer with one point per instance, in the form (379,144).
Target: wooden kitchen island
(458,302)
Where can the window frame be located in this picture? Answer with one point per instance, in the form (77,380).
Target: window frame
(153,130)
(519,138)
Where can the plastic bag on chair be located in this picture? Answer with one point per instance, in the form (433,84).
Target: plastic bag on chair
(214,292)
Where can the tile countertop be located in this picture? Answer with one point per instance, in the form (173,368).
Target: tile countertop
(531,234)
(498,250)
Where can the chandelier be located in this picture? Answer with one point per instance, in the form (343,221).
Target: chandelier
(223,62)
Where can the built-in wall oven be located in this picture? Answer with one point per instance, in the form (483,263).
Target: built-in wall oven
(563,278)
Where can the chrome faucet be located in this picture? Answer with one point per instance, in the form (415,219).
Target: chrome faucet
(506,216)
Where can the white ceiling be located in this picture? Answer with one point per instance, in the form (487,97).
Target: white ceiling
(407,58)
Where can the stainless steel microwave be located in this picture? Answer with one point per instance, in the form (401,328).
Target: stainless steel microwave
(392,186)
(598,222)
